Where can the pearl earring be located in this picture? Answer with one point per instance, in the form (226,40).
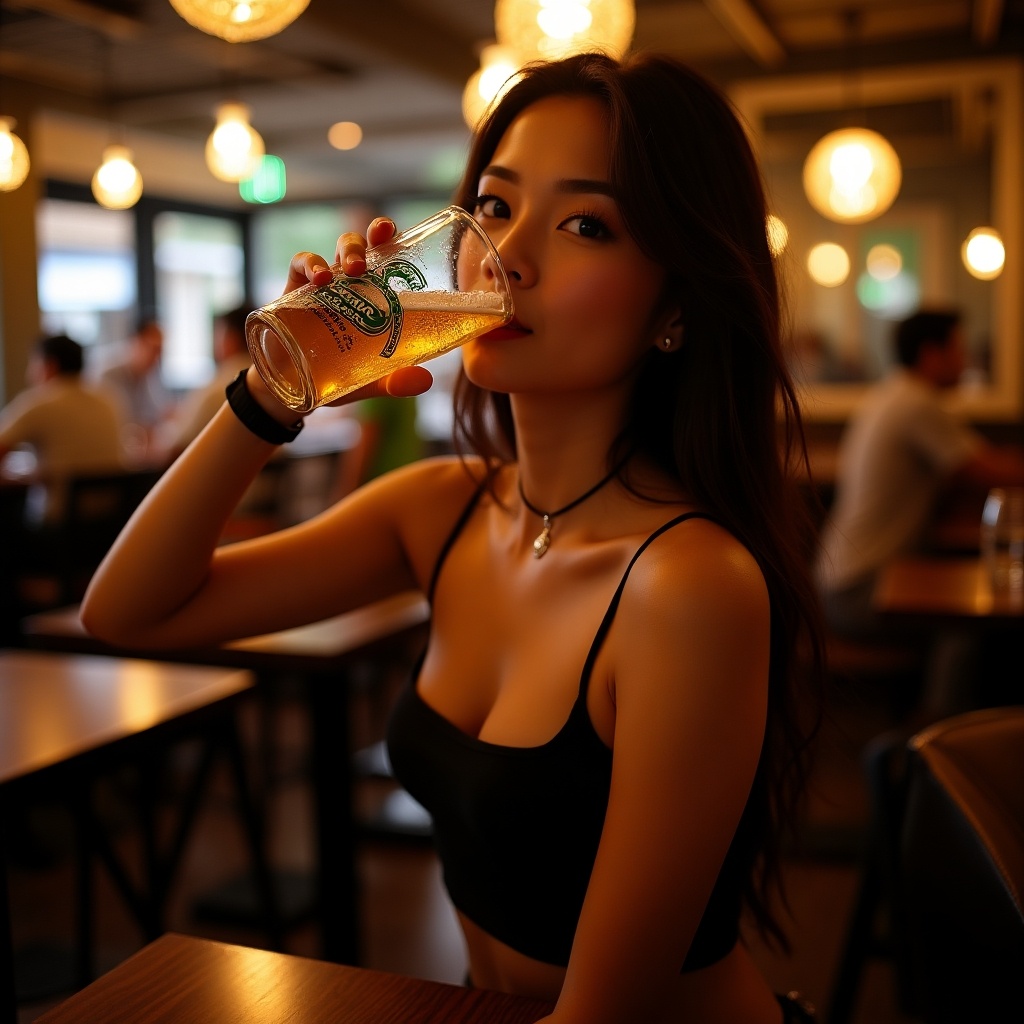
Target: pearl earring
(667,342)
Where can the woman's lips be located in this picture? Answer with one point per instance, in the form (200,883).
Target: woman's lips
(514,329)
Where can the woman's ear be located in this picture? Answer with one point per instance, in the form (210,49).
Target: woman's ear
(671,333)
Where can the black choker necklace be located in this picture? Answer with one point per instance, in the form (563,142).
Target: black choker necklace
(543,541)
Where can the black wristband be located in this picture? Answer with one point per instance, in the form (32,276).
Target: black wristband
(254,417)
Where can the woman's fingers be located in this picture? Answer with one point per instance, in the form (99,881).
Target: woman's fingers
(404,383)
(306,268)
(351,251)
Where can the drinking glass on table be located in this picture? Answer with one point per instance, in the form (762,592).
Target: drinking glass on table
(425,292)
(1002,538)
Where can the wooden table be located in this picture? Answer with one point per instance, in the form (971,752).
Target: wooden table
(322,655)
(945,590)
(181,980)
(66,718)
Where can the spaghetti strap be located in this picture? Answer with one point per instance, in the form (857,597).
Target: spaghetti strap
(453,536)
(609,615)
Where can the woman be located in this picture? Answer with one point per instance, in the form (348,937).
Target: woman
(604,725)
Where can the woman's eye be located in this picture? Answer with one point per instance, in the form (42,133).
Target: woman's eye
(492,206)
(587,226)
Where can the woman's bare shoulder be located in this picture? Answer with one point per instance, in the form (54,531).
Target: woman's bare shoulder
(697,565)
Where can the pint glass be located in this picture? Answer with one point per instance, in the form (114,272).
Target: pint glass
(425,291)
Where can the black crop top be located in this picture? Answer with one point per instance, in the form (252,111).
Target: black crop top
(517,828)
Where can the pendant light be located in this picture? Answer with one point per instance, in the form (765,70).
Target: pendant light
(237,21)
(853,174)
(14,162)
(550,29)
(117,184)
(498,72)
(234,147)
(984,254)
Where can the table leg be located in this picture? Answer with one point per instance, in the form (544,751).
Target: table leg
(327,699)
(8,993)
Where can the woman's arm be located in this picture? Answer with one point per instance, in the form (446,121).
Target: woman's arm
(165,581)
(690,659)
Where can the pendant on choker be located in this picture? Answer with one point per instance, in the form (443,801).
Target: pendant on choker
(543,541)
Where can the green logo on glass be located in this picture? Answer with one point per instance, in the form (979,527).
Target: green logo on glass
(370,303)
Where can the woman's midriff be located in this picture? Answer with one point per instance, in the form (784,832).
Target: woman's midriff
(728,991)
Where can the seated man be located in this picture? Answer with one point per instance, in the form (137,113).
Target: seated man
(69,426)
(901,454)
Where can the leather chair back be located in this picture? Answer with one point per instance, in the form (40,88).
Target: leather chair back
(962,867)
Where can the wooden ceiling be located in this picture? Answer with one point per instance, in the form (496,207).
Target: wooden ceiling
(76,71)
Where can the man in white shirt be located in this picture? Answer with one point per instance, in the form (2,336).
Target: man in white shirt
(901,453)
(69,426)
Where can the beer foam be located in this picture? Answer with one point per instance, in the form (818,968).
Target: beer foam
(451,302)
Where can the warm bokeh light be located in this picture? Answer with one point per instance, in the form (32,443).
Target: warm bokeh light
(852,175)
(778,234)
(984,254)
(344,135)
(240,21)
(117,184)
(14,162)
(883,261)
(498,72)
(828,264)
(234,146)
(558,28)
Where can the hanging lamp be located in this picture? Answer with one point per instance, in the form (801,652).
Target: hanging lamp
(983,254)
(551,29)
(240,22)
(117,183)
(14,162)
(498,72)
(853,174)
(234,147)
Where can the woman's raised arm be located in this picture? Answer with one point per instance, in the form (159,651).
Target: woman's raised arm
(166,582)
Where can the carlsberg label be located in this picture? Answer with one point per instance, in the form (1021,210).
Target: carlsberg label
(370,303)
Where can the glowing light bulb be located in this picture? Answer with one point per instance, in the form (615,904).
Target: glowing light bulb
(984,254)
(234,147)
(117,184)
(14,162)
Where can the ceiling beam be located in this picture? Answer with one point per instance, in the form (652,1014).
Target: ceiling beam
(400,30)
(749,30)
(81,12)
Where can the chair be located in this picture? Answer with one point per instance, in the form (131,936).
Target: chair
(97,506)
(12,532)
(941,893)
(962,867)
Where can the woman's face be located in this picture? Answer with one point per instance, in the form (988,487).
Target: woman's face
(586,298)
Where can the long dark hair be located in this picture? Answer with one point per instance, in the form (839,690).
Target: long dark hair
(720,414)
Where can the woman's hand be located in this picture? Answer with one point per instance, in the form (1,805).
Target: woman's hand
(311,268)
(350,255)
(351,251)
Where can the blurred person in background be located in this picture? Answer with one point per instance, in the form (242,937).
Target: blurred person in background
(197,408)
(68,425)
(902,456)
(134,381)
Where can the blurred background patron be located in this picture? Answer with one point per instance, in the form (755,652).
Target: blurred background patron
(67,425)
(903,456)
(134,381)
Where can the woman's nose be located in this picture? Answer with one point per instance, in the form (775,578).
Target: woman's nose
(515,260)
